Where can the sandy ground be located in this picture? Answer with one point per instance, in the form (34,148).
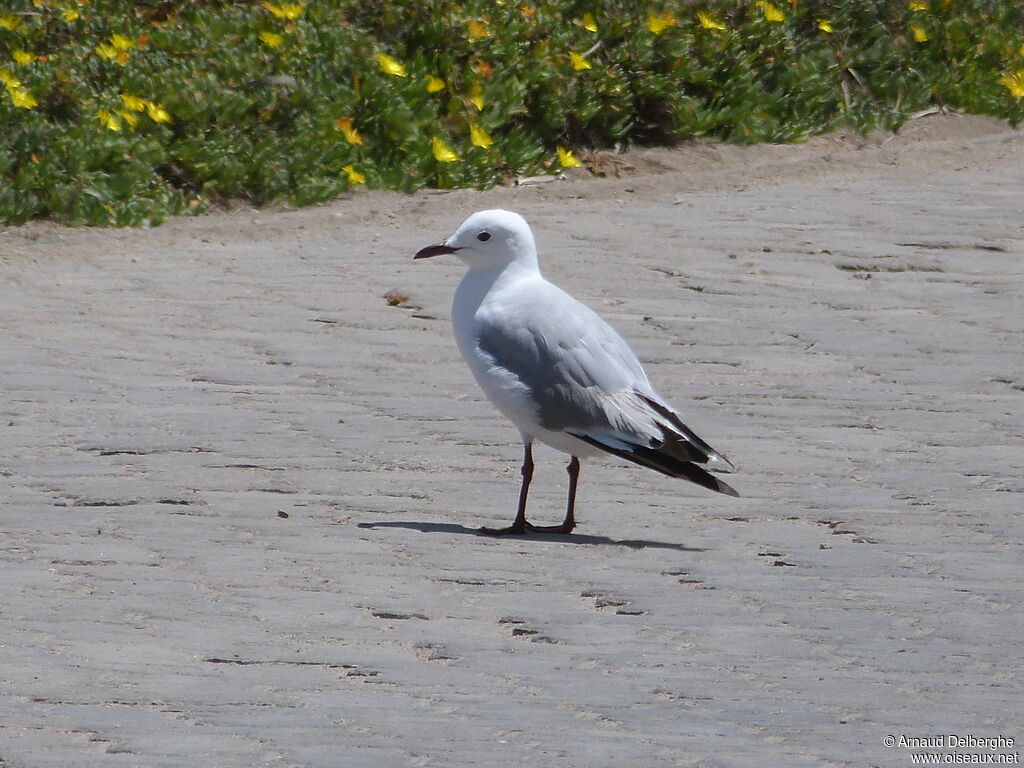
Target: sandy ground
(239,492)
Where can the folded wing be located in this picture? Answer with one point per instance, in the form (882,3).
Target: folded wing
(586,381)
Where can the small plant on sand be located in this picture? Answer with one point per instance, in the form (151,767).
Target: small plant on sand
(395,297)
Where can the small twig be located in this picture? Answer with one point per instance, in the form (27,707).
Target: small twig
(525,181)
(286,81)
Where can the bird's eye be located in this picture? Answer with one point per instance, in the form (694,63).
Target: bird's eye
(483,237)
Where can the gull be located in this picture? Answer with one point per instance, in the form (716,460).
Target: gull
(556,370)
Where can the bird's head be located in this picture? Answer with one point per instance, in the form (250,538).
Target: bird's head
(488,240)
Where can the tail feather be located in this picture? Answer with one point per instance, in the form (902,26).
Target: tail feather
(687,444)
(656,459)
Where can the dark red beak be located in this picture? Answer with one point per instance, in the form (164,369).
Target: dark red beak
(434,250)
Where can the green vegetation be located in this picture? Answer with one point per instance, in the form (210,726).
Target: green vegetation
(116,113)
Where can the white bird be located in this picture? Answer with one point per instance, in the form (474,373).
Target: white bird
(559,372)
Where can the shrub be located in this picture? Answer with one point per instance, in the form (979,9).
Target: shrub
(118,113)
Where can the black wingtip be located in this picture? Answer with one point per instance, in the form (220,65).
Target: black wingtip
(694,474)
(667,465)
(725,488)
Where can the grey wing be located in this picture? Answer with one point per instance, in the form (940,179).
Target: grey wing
(572,362)
(586,381)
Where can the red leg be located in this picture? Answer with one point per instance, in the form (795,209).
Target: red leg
(519,525)
(570,509)
(569,523)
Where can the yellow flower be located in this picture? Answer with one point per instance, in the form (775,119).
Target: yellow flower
(290,11)
(389,66)
(69,14)
(578,62)
(116,48)
(566,158)
(442,152)
(129,118)
(354,176)
(589,22)
(658,24)
(476,29)
(920,36)
(476,95)
(109,120)
(271,39)
(8,79)
(435,84)
(479,136)
(352,136)
(771,12)
(1014,82)
(121,43)
(134,103)
(825,26)
(23,57)
(157,113)
(917,5)
(708,21)
(9,21)
(22,98)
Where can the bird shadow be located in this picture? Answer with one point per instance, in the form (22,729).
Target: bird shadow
(575,538)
